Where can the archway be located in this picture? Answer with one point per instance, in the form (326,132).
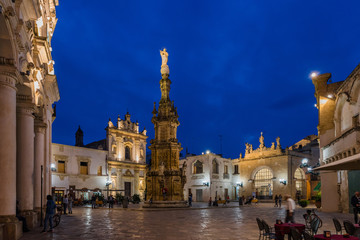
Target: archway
(300,185)
(263,183)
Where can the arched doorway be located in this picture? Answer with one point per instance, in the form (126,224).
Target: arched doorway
(300,185)
(263,183)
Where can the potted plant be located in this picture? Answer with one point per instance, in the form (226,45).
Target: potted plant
(136,198)
(303,203)
(318,200)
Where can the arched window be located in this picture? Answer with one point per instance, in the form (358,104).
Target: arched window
(299,175)
(215,167)
(198,167)
(263,183)
(127,153)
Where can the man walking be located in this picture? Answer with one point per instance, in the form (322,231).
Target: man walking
(355,202)
(290,209)
(50,211)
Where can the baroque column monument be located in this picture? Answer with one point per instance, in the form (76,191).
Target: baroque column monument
(165,180)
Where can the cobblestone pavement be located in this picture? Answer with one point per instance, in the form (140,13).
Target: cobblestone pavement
(198,222)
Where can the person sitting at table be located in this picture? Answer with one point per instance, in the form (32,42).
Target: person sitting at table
(290,209)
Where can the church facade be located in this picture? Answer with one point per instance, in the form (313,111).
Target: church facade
(28,90)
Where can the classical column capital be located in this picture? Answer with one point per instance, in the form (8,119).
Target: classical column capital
(8,77)
(25,109)
(40,127)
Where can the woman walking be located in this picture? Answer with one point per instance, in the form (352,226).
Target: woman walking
(276,201)
(280,200)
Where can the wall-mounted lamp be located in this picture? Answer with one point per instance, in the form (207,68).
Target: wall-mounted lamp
(250,180)
(108,182)
(206,184)
(53,167)
(282,181)
(239,184)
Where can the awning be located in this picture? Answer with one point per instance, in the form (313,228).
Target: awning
(348,163)
(318,187)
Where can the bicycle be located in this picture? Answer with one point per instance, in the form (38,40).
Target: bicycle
(309,216)
(57,216)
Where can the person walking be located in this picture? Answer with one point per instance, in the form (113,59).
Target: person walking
(190,199)
(65,203)
(280,200)
(290,209)
(276,201)
(50,211)
(93,201)
(355,202)
(70,204)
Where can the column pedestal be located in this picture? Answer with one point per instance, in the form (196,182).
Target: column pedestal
(12,227)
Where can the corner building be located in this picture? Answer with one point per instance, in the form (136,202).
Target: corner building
(28,89)
(339,131)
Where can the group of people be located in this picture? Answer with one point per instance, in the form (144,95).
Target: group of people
(278,200)
(68,203)
(355,202)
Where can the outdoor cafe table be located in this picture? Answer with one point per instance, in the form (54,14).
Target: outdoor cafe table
(334,237)
(282,229)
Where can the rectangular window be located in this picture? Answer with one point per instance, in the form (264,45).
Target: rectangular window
(226,169)
(236,169)
(100,171)
(61,166)
(84,168)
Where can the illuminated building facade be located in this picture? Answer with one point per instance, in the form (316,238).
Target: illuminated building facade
(28,89)
(339,106)
(115,164)
(263,172)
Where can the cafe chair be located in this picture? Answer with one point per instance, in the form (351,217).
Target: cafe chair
(295,234)
(338,226)
(349,227)
(314,225)
(308,236)
(261,228)
(268,234)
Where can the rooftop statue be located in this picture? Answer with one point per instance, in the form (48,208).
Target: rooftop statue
(164,58)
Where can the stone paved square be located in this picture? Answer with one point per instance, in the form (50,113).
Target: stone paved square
(199,222)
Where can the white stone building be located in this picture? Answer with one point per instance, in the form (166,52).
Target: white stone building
(115,164)
(208,175)
(78,170)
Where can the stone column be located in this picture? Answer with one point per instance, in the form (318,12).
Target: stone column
(40,129)
(137,181)
(13,229)
(25,158)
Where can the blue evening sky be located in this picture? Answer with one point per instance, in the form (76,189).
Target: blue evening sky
(237,68)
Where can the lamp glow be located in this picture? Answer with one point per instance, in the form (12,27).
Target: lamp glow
(207,151)
(314,74)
